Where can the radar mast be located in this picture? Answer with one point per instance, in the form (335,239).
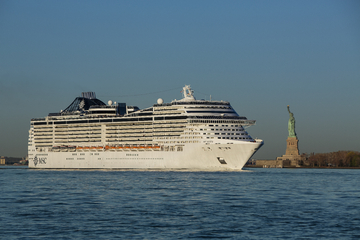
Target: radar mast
(188,93)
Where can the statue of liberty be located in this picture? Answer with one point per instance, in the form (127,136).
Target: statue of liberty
(291,124)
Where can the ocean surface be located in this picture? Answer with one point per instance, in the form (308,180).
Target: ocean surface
(250,204)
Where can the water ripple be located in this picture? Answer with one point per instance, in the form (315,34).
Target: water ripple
(256,204)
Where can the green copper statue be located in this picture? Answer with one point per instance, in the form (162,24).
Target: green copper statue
(291,125)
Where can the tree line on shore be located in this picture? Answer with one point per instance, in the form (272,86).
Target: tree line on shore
(13,161)
(334,159)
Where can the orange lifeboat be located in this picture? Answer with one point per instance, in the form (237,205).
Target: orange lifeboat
(156,147)
(92,148)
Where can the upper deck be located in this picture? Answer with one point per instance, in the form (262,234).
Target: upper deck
(89,110)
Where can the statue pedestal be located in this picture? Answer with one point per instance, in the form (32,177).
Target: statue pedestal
(292,146)
(292,153)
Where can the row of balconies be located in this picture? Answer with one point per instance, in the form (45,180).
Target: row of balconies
(83,133)
(169,121)
(76,141)
(132,135)
(156,131)
(84,126)
(77,126)
(42,131)
(169,130)
(158,134)
(77,129)
(129,123)
(170,125)
(129,139)
(43,141)
(128,127)
(43,135)
(43,138)
(168,112)
(165,108)
(43,145)
(42,127)
(129,131)
(82,140)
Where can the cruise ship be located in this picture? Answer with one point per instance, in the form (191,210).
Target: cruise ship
(182,134)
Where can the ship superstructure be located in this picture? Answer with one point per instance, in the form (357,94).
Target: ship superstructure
(186,133)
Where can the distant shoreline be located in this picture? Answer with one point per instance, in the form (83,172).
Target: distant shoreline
(12,165)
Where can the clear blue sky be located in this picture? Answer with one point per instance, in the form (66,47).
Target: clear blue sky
(259,55)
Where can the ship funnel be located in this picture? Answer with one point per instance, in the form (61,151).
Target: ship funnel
(89,95)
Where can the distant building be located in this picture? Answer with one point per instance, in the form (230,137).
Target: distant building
(9,160)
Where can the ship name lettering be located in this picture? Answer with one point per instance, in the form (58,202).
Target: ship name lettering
(39,160)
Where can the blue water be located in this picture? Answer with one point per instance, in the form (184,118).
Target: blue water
(252,204)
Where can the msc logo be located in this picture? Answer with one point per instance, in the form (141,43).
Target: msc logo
(39,160)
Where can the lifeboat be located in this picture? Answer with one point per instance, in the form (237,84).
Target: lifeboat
(56,149)
(156,147)
(87,148)
(107,147)
(119,148)
(99,148)
(72,148)
(63,148)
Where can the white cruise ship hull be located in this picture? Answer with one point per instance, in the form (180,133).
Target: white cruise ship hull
(196,156)
(183,134)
